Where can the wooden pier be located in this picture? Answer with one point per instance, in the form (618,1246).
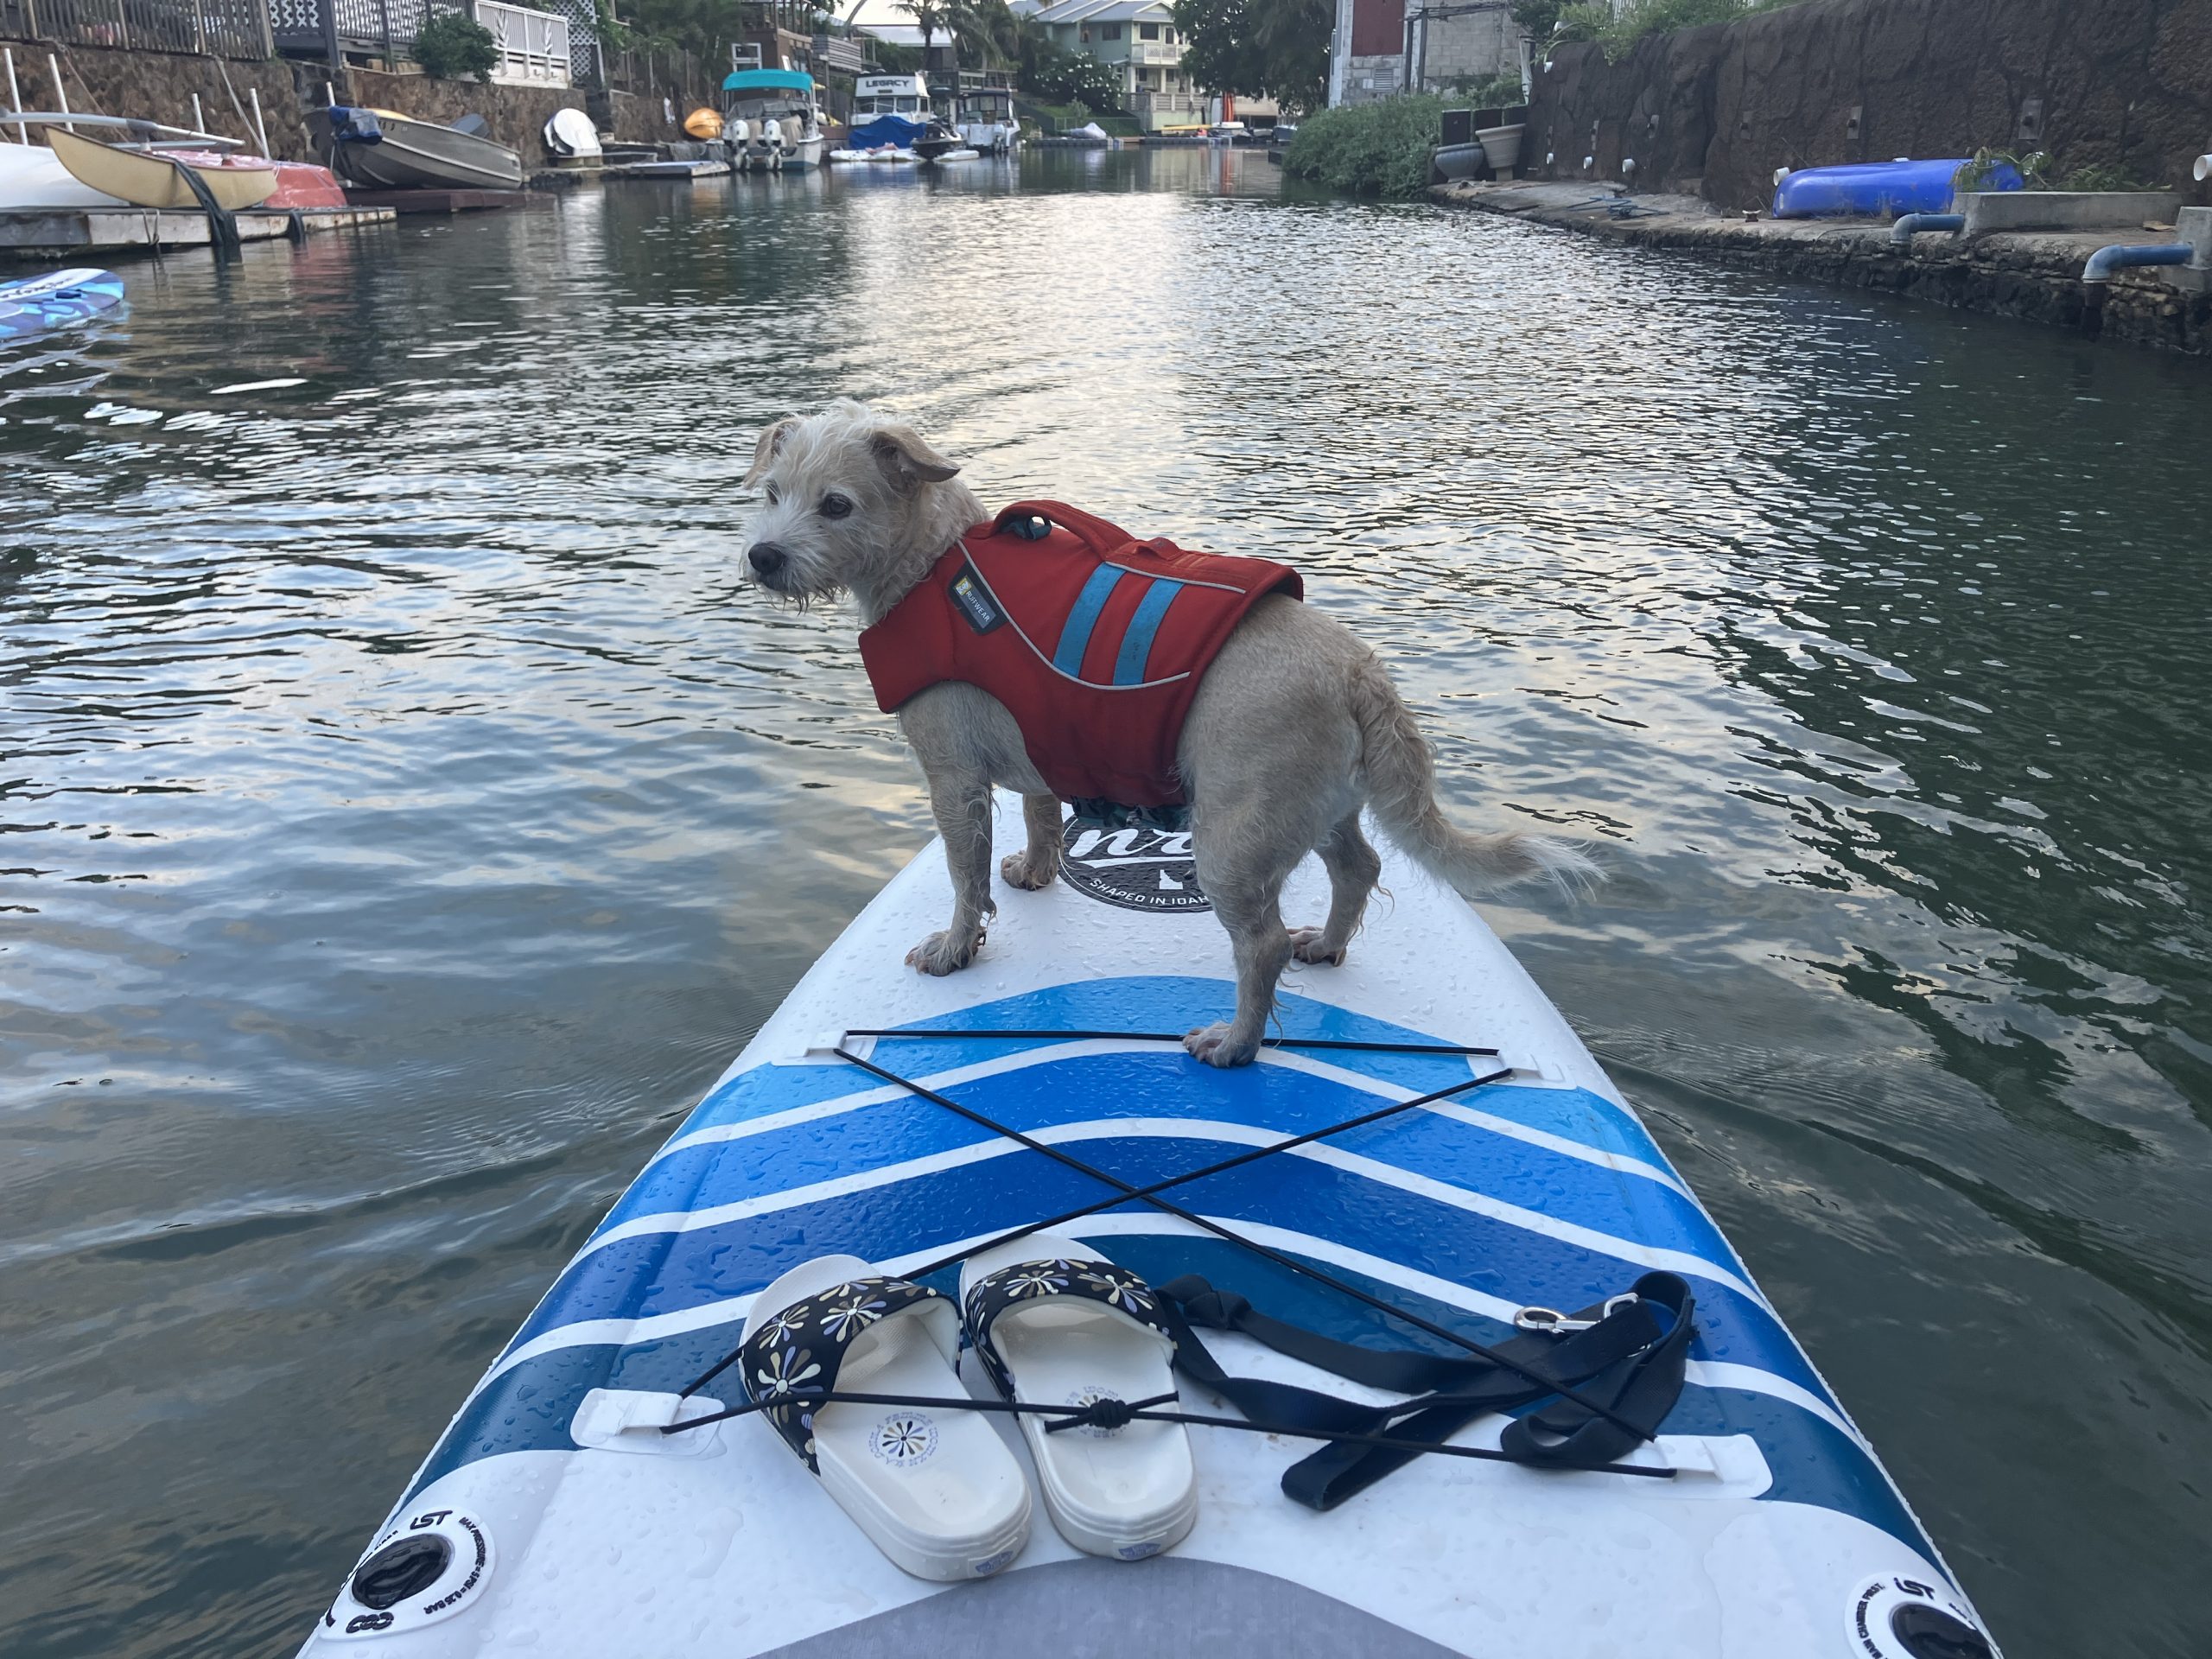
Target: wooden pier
(49,231)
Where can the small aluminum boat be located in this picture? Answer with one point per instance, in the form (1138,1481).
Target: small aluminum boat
(381,149)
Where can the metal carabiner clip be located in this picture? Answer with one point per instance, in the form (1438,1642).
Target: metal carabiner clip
(1552,1322)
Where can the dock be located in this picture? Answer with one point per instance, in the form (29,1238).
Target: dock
(45,233)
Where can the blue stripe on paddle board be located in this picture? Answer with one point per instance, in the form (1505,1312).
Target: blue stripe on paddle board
(1083,617)
(665,1273)
(1169,1003)
(1276,1101)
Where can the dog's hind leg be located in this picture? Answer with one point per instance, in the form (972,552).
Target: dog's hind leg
(962,805)
(1038,863)
(1353,870)
(1242,869)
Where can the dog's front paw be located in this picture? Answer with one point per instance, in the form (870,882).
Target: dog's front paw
(945,953)
(1306,945)
(1015,867)
(1216,1046)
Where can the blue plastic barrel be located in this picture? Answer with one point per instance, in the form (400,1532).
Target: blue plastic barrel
(1879,189)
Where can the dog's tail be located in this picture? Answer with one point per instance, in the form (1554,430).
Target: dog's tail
(1401,788)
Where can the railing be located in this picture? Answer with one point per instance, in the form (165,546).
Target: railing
(1168,103)
(384,26)
(228,28)
(1154,51)
(840,53)
(533,46)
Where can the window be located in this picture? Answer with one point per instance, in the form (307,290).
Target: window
(1171,33)
(1085,34)
(1147,31)
(909,104)
(1111,32)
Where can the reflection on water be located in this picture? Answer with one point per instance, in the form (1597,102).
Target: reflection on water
(404,813)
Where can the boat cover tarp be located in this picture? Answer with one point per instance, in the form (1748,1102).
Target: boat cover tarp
(894,130)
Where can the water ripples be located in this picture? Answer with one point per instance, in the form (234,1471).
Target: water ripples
(405,812)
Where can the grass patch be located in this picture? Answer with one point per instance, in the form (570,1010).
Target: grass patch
(1371,150)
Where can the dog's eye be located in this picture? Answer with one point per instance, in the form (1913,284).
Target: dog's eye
(834,505)
(774,495)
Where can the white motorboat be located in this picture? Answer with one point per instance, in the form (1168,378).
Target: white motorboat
(772,120)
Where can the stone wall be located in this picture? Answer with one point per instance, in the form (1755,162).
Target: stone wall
(159,86)
(1715,109)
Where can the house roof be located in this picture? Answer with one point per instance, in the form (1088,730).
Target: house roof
(1098,11)
(883,20)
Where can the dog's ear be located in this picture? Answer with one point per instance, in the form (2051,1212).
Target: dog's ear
(901,452)
(770,445)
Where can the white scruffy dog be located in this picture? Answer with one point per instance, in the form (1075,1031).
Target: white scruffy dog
(1296,727)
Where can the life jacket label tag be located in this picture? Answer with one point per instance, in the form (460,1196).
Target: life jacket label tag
(974,601)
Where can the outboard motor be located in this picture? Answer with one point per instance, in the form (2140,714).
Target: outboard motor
(771,142)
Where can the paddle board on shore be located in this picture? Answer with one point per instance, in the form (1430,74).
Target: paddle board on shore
(38,303)
(555,1518)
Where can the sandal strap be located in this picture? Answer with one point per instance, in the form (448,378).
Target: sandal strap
(1024,1284)
(795,1357)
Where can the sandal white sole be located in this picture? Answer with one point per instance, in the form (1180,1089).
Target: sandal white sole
(934,1489)
(1126,1493)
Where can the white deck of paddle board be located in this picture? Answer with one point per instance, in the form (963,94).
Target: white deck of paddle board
(1783,1536)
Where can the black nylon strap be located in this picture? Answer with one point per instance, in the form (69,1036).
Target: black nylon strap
(1636,1353)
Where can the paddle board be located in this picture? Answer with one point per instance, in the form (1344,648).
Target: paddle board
(554,1518)
(66,297)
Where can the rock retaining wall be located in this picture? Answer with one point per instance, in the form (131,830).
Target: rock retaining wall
(1714,111)
(159,86)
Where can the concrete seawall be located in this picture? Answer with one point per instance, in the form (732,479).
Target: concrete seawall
(2034,276)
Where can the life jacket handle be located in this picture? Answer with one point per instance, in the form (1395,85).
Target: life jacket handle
(1101,537)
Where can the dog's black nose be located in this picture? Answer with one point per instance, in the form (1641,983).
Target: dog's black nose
(766,558)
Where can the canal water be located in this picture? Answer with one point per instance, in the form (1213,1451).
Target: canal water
(404,813)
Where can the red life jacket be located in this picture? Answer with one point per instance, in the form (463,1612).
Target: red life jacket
(1095,641)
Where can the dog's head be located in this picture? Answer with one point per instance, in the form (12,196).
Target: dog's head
(851,501)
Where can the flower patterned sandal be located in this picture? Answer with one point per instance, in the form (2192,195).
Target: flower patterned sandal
(937,1491)
(1055,1323)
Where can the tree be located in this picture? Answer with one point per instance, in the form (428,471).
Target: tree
(1255,48)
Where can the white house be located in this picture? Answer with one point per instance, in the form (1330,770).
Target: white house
(1139,41)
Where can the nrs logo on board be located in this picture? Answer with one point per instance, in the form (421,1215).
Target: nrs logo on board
(1138,866)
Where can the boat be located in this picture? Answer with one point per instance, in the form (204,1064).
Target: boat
(1424,1159)
(571,134)
(148,176)
(705,167)
(939,141)
(34,304)
(887,138)
(983,116)
(33,180)
(303,187)
(890,112)
(772,119)
(1879,189)
(383,149)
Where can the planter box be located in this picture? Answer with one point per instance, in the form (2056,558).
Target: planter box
(1992,211)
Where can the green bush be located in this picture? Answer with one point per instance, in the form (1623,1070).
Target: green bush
(451,45)
(1370,149)
(1617,31)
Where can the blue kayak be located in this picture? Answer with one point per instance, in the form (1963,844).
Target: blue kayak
(66,297)
(1880,189)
